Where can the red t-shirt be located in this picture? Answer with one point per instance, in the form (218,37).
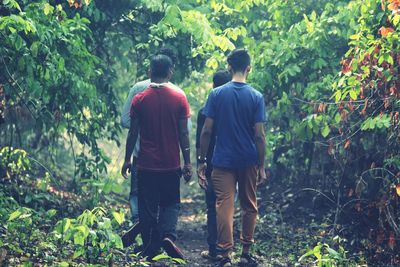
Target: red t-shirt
(159,111)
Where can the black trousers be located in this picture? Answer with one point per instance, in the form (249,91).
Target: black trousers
(159,204)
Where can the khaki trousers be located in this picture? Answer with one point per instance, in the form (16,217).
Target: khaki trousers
(224,181)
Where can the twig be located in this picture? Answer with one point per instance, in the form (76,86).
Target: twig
(319,192)
(19,87)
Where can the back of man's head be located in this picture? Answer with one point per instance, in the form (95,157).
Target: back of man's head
(160,67)
(221,77)
(239,60)
(168,51)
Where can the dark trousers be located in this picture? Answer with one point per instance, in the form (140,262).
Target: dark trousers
(159,204)
(133,196)
(211,218)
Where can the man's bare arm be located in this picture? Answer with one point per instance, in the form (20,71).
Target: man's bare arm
(185,148)
(205,137)
(260,146)
(130,145)
(184,140)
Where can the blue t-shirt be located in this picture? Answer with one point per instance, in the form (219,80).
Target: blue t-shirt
(235,108)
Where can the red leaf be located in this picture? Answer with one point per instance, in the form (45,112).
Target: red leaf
(386,103)
(351,191)
(380,237)
(347,144)
(392,241)
(385,31)
(357,206)
(346,66)
(321,108)
(343,114)
(330,148)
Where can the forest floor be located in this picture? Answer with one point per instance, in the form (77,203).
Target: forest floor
(192,231)
(281,238)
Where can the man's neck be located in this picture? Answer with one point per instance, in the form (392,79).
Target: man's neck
(158,80)
(239,77)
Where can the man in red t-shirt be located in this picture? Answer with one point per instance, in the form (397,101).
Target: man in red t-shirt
(160,113)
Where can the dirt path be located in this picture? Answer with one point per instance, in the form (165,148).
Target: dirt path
(192,231)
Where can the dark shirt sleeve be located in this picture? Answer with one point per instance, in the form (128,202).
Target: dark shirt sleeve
(210,108)
(200,123)
(259,114)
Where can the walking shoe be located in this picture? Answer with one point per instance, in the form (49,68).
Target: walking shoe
(129,237)
(247,260)
(171,249)
(224,262)
(206,254)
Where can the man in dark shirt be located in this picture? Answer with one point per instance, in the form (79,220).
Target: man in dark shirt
(220,78)
(238,112)
(160,113)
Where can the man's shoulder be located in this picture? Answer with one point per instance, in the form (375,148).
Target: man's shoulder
(140,94)
(140,86)
(255,91)
(176,88)
(221,89)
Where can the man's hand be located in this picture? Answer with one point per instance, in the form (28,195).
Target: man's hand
(201,173)
(126,167)
(187,172)
(262,177)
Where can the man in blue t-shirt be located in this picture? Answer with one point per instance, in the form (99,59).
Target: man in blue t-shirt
(237,112)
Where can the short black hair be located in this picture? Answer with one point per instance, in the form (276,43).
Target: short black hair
(160,66)
(239,60)
(221,77)
(170,52)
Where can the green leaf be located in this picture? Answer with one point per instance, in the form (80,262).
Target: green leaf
(119,217)
(353,94)
(338,96)
(366,125)
(160,257)
(389,59)
(307,254)
(325,131)
(48,9)
(212,63)
(14,215)
(338,118)
(179,261)
(396,20)
(79,239)
(381,59)
(67,225)
(61,64)
(78,253)
(51,212)
(35,48)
